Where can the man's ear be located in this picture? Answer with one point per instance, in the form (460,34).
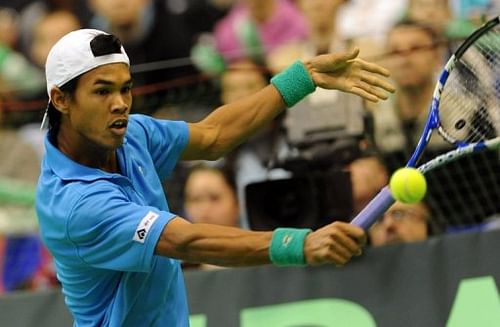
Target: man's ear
(59,100)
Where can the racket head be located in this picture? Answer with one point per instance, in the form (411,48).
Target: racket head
(472,68)
(467,96)
(465,106)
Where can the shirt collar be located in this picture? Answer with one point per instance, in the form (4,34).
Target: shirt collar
(68,169)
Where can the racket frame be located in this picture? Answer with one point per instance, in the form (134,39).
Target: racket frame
(384,199)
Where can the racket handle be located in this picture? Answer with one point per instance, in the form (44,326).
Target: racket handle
(374,210)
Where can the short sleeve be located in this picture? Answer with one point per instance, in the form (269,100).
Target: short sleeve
(166,139)
(111,232)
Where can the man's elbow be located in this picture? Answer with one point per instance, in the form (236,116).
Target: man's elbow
(208,142)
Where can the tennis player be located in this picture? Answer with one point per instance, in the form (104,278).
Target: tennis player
(100,202)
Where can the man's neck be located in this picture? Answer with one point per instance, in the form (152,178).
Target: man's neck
(88,155)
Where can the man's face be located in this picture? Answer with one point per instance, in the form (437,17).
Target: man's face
(401,223)
(98,113)
(415,60)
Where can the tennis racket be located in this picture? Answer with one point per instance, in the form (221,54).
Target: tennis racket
(465,110)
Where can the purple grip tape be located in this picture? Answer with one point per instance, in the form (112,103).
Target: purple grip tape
(374,210)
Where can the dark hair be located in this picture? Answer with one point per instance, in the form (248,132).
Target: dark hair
(101,45)
(54,115)
(225,170)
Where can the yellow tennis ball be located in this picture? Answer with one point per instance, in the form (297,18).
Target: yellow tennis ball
(408,185)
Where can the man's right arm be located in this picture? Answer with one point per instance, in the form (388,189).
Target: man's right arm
(227,246)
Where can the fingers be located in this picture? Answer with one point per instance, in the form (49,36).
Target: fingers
(335,243)
(354,232)
(348,73)
(374,92)
(354,79)
(343,248)
(373,68)
(346,57)
(364,94)
(332,62)
(378,82)
(339,255)
(368,83)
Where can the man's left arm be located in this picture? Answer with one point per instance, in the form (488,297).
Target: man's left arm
(230,125)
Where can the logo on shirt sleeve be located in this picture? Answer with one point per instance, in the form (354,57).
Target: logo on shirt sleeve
(143,228)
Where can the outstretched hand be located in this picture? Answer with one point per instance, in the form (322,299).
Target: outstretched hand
(346,72)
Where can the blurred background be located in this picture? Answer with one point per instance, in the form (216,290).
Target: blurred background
(320,161)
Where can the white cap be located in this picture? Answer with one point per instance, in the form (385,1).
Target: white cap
(72,56)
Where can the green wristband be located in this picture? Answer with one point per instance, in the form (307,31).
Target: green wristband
(287,246)
(294,83)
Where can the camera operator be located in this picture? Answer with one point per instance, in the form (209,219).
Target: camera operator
(320,144)
(332,170)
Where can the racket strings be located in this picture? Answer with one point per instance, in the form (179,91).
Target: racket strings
(469,105)
(466,192)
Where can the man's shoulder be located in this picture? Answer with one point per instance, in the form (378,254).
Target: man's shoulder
(57,203)
(68,192)
(139,119)
(144,125)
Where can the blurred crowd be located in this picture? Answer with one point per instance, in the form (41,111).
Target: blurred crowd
(190,56)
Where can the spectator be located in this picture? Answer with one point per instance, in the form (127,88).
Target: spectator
(366,22)
(463,192)
(415,59)
(252,160)
(151,34)
(36,10)
(326,121)
(19,79)
(368,177)
(211,10)
(47,31)
(254,27)
(24,262)
(241,79)
(434,13)
(401,223)
(210,196)
(321,117)
(20,161)
(48,28)
(321,19)
(9,27)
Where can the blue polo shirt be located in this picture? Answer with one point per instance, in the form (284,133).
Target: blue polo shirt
(102,230)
